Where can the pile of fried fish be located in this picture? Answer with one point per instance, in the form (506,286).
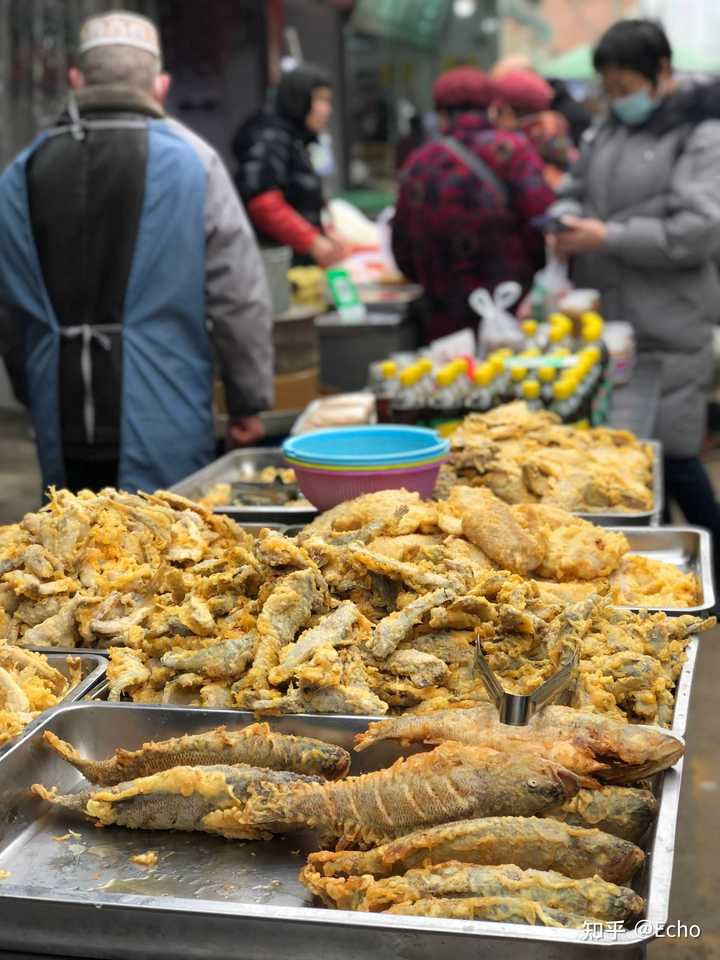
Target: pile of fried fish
(536,825)
(527,456)
(374,607)
(29,685)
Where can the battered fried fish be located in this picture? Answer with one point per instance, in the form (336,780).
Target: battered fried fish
(610,750)
(497,909)
(393,629)
(255,745)
(527,842)
(490,524)
(451,782)
(227,660)
(623,811)
(590,897)
(345,626)
(182,798)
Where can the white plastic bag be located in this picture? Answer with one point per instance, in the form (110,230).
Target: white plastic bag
(498,327)
(549,286)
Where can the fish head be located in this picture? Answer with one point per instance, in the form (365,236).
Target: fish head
(553,782)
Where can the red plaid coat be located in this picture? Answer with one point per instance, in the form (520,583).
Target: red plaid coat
(452,233)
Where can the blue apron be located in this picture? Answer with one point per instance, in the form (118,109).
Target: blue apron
(166,422)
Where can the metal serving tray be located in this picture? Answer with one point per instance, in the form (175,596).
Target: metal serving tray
(212,897)
(239,465)
(687,548)
(92,669)
(683,689)
(642,518)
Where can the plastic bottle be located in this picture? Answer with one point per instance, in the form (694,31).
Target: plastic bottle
(592,327)
(561,331)
(385,390)
(425,388)
(531,394)
(517,375)
(530,334)
(481,397)
(464,382)
(547,376)
(565,400)
(445,408)
(406,404)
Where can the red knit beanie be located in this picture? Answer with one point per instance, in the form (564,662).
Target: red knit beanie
(462,87)
(523,90)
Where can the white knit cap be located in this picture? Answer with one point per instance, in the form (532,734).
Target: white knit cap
(119,28)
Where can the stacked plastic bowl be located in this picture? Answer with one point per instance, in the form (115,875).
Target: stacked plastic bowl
(344,462)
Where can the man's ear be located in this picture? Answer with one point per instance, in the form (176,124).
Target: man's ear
(76,78)
(161,87)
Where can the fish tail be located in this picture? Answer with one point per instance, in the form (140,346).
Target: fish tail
(73,801)
(368,738)
(68,752)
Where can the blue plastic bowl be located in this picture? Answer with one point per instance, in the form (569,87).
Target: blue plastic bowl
(382,445)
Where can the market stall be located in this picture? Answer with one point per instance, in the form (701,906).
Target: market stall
(289,739)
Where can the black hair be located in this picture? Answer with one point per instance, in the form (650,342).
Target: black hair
(295,90)
(639,45)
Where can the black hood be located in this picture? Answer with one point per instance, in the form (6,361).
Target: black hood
(294,93)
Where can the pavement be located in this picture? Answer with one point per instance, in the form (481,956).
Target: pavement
(696,874)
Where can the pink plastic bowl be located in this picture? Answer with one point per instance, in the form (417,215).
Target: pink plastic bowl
(328,488)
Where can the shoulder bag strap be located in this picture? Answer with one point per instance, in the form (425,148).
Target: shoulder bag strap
(476,165)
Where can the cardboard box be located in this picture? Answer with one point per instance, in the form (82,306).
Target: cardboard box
(294,391)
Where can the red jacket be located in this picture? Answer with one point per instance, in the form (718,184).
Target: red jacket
(453,233)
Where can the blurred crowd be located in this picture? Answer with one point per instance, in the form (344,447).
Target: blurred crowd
(129,261)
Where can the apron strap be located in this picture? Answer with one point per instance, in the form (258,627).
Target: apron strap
(90,332)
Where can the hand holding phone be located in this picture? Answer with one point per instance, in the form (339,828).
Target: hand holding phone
(549,224)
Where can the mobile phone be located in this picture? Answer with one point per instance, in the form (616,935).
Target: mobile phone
(549,224)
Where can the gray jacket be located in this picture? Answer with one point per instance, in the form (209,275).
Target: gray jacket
(658,190)
(237,299)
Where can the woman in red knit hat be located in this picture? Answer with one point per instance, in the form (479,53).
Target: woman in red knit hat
(521,102)
(465,206)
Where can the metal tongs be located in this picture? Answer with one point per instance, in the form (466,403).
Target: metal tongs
(517,709)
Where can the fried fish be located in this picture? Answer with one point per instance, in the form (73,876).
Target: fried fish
(255,745)
(623,811)
(587,743)
(452,782)
(182,798)
(497,909)
(590,897)
(527,842)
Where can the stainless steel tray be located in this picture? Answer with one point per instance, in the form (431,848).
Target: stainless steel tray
(683,689)
(213,897)
(238,465)
(641,518)
(687,548)
(92,668)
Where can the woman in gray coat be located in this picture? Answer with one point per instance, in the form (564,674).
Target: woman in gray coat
(642,218)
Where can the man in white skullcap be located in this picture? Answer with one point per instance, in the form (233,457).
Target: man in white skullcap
(127,266)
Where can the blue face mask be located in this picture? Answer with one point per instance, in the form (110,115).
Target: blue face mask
(634,109)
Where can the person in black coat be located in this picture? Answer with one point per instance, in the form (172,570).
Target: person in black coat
(275,177)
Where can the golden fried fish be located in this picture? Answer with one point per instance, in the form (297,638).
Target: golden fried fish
(626,812)
(449,783)
(255,745)
(178,799)
(527,842)
(590,897)
(588,743)
(496,909)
